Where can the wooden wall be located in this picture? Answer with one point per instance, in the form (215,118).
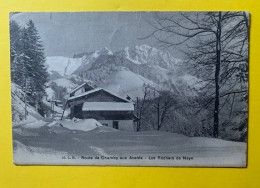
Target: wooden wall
(99,96)
(109,115)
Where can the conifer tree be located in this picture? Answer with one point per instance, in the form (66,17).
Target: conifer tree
(28,61)
(15,51)
(34,60)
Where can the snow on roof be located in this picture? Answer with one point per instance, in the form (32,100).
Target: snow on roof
(76,88)
(85,93)
(80,86)
(108,106)
(116,95)
(95,90)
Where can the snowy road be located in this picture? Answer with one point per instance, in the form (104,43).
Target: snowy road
(50,144)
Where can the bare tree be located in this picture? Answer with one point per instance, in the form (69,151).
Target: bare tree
(162,104)
(216,47)
(140,104)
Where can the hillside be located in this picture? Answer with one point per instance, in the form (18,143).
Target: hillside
(125,82)
(33,117)
(64,66)
(125,71)
(18,108)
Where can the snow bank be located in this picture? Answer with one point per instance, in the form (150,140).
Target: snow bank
(34,125)
(23,154)
(104,129)
(106,141)
(78,124)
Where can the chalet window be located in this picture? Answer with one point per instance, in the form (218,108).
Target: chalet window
(115,124)
(77,112)
(109,115)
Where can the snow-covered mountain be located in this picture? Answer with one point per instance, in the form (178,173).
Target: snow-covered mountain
(63,66)
(125,71)
(145,54)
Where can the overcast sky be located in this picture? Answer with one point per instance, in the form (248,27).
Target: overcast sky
(66,34)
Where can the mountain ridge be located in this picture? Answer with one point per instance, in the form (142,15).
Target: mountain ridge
(142,64)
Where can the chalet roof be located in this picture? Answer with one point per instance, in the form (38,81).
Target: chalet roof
(93,91)
(107,106)
(85,93)
(80,86)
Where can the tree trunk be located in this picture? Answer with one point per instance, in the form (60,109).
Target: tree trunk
(217,70)
(138,113)
(25,100)
(158,115)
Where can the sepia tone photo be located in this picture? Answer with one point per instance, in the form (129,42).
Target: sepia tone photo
(130,88)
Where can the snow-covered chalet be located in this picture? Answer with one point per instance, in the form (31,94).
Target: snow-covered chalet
(86,101)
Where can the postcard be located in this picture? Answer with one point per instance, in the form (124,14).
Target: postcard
(130,88)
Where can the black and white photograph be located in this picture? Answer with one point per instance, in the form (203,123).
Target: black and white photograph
(130,88)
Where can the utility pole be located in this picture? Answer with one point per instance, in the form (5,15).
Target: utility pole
(52,106)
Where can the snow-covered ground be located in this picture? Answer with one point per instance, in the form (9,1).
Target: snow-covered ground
(68,142)
(126,83)
(18,110)
(56,109)
(77,124)
(63,65)
(65,82)
(50,93)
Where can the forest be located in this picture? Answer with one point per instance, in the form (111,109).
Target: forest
(28,68)
(216,50)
